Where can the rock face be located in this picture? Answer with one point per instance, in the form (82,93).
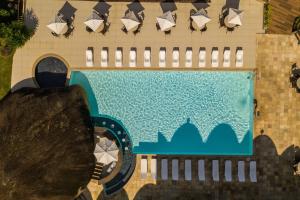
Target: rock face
(46,144)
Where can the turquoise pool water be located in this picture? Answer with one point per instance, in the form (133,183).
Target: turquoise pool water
(176,112)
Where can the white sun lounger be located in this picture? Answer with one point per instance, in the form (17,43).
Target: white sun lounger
(118,58)
(147,57)
(239,60)
(253,171)
(201,170)
(226,58)
(162,58)
(164,169)
(241,171)
(144,166)
(154,168)
(202,58)
(188,57)
(89,57)
(188,170)
(175,176)
(228,171)
(132,57)
(215,170)
(104,57)
(215,58)
(175,57)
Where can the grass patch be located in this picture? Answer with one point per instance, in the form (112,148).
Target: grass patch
(5,74)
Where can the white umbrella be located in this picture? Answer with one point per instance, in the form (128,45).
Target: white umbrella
(200,18)
(166,21)
(235,16)
(58,25)
(94,22)
(130,21)
(106,151)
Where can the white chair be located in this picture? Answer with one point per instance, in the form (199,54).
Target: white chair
(228,171)
(188,170)
(215,58)
(201,170)
(147,58)
(132,57)
(175,176)
(164,169)
(118,58)
(226,58)
(239,60)
(153,168)
(202,58)
(188,57)
(215,170)
(253,171)
(162,58)
(89,57)
(175,56)
(241,171)
(144,168)
(104,57)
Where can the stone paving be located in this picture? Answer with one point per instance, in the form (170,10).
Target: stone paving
(73,49)
(273,151)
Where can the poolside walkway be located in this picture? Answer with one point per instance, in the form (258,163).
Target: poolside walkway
(73,49)
(280,119)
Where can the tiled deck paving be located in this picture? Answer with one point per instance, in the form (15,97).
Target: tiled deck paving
(280,119)
(73,49)
(283,13)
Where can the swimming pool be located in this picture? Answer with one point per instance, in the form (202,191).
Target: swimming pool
(176,112)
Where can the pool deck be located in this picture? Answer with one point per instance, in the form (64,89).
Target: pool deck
(280,119)
(73,49)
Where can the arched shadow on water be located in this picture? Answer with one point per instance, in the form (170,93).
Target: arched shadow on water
(274,174)
(78,78)
(187,140)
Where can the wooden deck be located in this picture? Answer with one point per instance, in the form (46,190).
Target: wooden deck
(283,13)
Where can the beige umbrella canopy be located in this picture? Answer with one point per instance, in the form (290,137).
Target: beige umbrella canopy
(130,21)
(235,16)
(58,25)
(200,18)
(166,21)
(94,22)
(106,151)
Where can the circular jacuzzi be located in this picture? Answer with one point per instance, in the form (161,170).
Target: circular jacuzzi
(51,72)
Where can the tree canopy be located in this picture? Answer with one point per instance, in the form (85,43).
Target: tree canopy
(46,144)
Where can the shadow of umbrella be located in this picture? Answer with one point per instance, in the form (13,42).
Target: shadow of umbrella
(68,11)
(200,4)
(232,4)
(102,7)
(168,6)
(135,6)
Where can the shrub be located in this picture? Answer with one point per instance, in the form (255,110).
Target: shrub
(296,25)
(267,15)
(14,34)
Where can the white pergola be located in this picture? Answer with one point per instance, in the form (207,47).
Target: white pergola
(166,21)
(200,19)
(58,25)
(130,21)
(95,22)
(235,16)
